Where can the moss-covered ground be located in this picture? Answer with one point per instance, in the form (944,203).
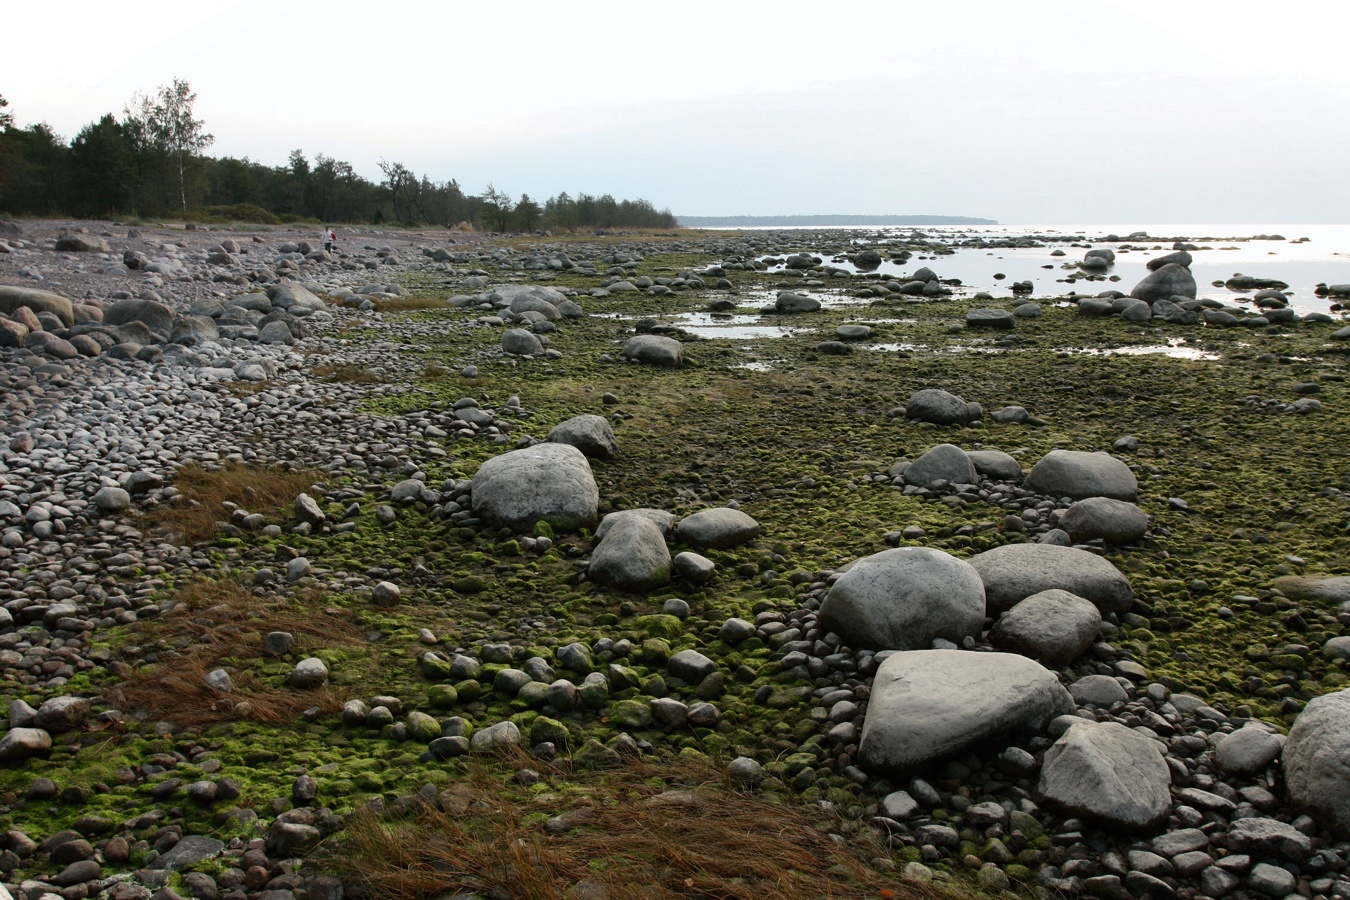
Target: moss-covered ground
(797,438)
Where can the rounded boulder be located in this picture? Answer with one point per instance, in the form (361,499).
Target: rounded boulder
(546,482)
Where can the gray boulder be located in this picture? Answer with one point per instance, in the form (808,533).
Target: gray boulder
(945,462)
(288,294)
(632,556)
(1179,258)
(1108,773)
(1098,690)
(1054,627)
(21,743)
(156,316)
(1013,572)
(521,342)
(1247,751)
(941,408)
(999,319)
(995,464)
(663,520)
(902,599)
(1170,280)
(497,738)
(788,302)
(927,705)
(522,298)
(549,482)
(1316,761)
(189,331)
(655,350)
(309,673)
(719,528)
(591,434)
(1326,588)
(13,297)
(1078,474)
(1114,521)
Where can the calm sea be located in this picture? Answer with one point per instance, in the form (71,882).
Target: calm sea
(1228,250)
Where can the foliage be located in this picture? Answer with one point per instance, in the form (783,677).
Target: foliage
(150,163)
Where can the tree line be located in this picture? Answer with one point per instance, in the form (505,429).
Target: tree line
(150,163)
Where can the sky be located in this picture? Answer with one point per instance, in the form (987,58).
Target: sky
(1024,111)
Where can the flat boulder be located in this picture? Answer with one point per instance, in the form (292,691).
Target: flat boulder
(789,302)
(1078,475)
(1054,627)
(654,350)
(589,433)
(81,243)
(902,599)
(719,528)
(1113,521)
(522,298)
(1326,588)
(928,705)
(632,556)
(547,482)
(13,297)
(1316,761)
(999,319)
(287,295)
(1013,572)
(21,743)
(1106,772)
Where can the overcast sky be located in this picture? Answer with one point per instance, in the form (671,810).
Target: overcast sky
(1025,111)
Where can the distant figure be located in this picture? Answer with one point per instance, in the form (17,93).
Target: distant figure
(327,238)
(332,239)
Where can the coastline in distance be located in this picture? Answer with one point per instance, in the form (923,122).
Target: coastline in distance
(823,221)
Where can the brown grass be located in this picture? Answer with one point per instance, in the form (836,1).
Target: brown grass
(218,622)
(347,372)
(409,304)
(646,831)
(194,514)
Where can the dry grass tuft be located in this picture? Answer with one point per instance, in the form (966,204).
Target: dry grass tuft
(643,831)
(218,623)
(348,373)
(204,492)
(409,304)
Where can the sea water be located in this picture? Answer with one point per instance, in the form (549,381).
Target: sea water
(1324,257)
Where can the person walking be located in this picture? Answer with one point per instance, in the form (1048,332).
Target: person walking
(327,239)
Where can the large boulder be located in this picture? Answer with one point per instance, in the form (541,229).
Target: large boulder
(548,482)
(1170,280)
(789,302)
(591,434)
(289,294)
(663,520)
(632,556)
(1326,588)
(1078,474)
(521,342)
(1114,521)
(719,528)
(927,705)
(945,462)
(1316,761)
(996,464)
(1013,572)
(1053,626)
(902,599)
(82,243)
(154,315)
(1110,774)
(522,298)
(655,350)
(941,408)
(13,297)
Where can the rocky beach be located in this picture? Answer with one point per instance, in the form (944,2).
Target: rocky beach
(307,557)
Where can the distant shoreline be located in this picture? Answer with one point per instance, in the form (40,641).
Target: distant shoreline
(824,221)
